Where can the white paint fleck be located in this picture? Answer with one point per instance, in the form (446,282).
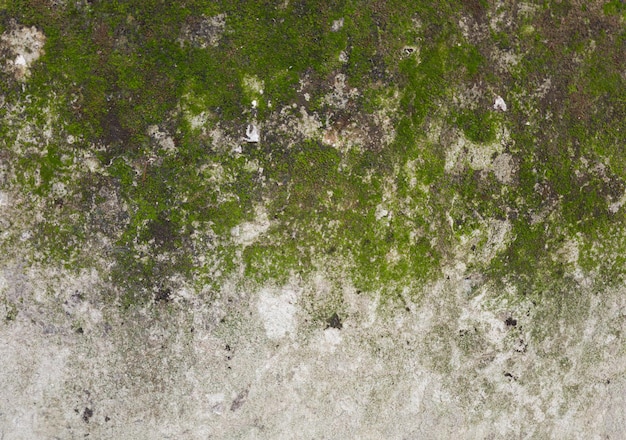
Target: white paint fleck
(499,104)
(408,51)
(252,134)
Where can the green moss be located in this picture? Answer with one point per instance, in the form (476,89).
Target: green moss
(425,83)
(266,262)
(614,7)
(478,126)
(113,69)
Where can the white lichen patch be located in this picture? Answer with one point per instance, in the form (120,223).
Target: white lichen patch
(277,310)
(248,232)
(568,253)
(337,25)
(341,93)
(253,86)
(504,168)
(527,9)
(498,233)
(484,243)
(504,61)
(197,121)
(384,118)
(482,157)
(375,130)
(294,125)
(308,125)
(31,134)
(4,199)
(467,153)
(25,46)
(347,138)
(162,138)
(614,207)
(467,97)
(472,30)
(224,141)
(381,212)
(542,90)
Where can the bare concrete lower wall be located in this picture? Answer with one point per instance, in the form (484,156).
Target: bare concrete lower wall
(251,365)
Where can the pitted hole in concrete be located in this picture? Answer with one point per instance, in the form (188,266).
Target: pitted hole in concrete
(334,321)
(163,295)
(87,414)
(510,322)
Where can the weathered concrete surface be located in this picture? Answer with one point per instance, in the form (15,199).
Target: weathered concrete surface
(420,235)
(251,365)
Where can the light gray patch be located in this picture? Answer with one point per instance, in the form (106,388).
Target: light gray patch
(203,31)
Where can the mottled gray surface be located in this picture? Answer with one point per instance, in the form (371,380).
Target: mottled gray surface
(251,366)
